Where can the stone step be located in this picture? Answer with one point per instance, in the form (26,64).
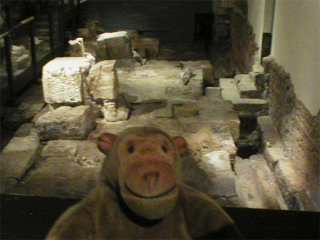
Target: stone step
(250,106)
(246,84)
(256,185)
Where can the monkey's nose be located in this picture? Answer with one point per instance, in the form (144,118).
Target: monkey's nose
(151,179)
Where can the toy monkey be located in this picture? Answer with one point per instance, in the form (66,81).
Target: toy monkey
(140,195)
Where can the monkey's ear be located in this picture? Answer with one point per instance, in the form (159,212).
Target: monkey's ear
(106,141)
(181,143)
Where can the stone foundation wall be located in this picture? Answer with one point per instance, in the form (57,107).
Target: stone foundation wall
(299,130)
(242,39)
(234,39)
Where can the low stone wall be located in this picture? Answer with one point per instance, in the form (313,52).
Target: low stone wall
(298,129)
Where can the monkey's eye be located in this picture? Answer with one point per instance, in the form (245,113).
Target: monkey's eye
(131,149)
(164,149)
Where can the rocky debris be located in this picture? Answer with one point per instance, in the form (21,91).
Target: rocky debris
(66,123)
(256,184)
(115,45)
(17,157)
(63,79)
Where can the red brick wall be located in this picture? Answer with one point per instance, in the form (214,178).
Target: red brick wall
(298,128)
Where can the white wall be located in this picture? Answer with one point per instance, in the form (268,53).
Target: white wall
(268,16)
(296,46)
(256,10)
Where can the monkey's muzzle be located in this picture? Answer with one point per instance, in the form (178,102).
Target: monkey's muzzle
(149,188)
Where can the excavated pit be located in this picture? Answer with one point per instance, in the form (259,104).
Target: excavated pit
(249,141)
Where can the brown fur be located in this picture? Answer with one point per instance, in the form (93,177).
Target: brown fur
(106,213)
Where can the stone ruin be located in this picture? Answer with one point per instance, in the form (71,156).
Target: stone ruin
(122,84)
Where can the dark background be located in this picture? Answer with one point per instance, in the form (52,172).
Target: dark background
(27,217)
(172,21)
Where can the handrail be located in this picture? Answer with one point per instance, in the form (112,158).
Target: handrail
(23,22)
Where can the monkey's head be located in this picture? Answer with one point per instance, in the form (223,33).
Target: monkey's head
(143,165)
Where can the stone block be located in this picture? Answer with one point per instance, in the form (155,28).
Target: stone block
(218,167)
(258,68)
(61,177)
(123,113)
(62,79)
(245,81)
(102,80)
(227,143)
(16,158)
(223,184)
(147,47)
(205,65)
(196,83)
(88,154)
(134,36)
(18,51)
(218,161)
(115,45)
(66,123)
(56,148)
(229,90)
(26,129)
(213,93)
